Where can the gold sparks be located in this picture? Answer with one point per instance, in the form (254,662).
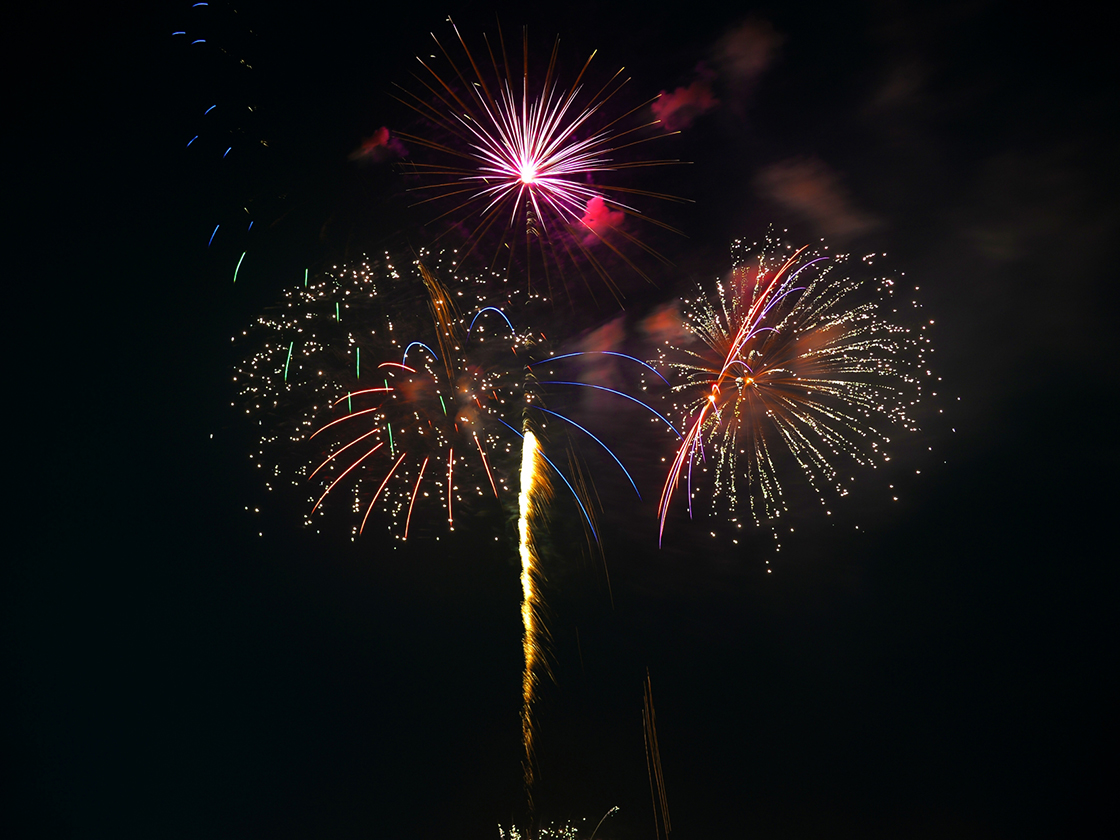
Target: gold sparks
(799,366)
(535,493)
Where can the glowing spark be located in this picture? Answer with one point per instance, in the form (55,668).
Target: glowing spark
(344,474)
(489,309)
(317,420)
(801,364)
(404,359)
(450,464)
(617,394)
(521,157)
(392,470)
(535,491)
(340,450)
(419,478)
(556,469)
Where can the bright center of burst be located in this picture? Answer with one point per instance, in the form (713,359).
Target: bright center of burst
(528,173)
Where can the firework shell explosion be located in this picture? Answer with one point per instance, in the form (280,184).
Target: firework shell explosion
(801,364)
(374,383)
(523,167)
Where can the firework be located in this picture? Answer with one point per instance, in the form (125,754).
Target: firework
(364,385)
(370,382)
(796,362)
(521,161)
(535,493)
(221,130)
(567,831)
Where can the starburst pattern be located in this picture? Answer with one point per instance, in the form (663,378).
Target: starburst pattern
(358,394)
(799,365)
(524,162)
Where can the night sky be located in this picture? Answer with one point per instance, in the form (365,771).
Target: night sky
(178,666)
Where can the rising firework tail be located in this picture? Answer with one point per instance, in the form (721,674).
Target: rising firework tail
(799,369)
(535,492)
(524,165)
(417,426)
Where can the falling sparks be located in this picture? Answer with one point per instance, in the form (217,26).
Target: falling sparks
(411,432)
(795,361)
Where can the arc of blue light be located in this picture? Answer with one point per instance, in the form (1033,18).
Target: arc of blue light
(744,364)
(774,301)
(215,233)
(619,393)
(803,267)
(578,426)
(191,140)
(575,495)
(783,290)
(404,358)
(208,110)
(755,332)
(228,151)
(198,41)
(491,309)
(602,353)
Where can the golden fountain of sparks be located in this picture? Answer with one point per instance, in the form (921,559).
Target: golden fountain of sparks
(535,492)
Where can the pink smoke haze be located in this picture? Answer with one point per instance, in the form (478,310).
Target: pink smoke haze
(599,218)
(664,324)
(746,51)
(680,108)
(808,188)
(609,336)
(380,146)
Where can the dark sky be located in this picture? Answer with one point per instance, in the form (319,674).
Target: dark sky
(948,671)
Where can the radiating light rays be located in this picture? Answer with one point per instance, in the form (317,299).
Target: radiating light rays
(527,163)
(800,368)
(617,393)
(591,435)
(372,426)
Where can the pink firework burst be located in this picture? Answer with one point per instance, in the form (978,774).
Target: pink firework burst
(526,164)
